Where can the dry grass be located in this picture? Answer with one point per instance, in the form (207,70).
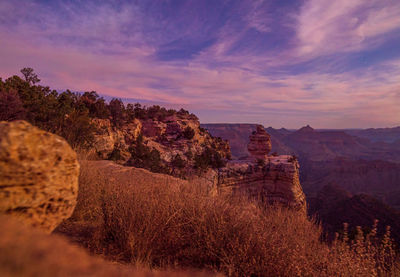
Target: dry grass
(159,225)
(28,252)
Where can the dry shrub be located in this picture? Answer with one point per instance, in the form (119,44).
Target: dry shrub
(183,226)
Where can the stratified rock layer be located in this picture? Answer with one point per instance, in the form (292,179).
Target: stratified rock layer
(271,179)
(260,143)
(38,175)
(277,181)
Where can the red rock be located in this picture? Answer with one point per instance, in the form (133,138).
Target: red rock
(260,143)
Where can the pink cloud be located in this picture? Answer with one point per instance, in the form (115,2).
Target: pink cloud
(326,27)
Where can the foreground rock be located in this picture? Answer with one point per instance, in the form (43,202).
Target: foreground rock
(38,175)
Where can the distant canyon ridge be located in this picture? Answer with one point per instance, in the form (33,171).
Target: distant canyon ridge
(359,161)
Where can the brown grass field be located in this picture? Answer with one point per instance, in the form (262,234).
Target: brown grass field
(27,252)
(174,225)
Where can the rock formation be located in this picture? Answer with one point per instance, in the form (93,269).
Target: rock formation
(260,143)
(38,175)
(273,179)
(174,135)
(109,138)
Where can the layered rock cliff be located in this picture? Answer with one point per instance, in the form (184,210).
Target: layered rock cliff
(272,179)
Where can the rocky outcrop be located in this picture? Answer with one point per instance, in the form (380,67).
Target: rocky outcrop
(108,138)
(272,179)
(260,143)
(171,136)
(275,181)
(38,175)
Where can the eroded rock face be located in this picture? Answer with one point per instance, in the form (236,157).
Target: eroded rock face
(260,143)
(166,135)
(276,181)
(109,138)
(38,175)
(272,179)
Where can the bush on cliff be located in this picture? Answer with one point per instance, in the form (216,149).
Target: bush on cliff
(143,156)
(188,133)
(181,226)
(209,158)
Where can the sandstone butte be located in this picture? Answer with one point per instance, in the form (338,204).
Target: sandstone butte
(38,175)
(272,179)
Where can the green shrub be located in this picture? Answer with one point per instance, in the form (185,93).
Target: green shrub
(144,157)
(178,162)
(209,158)
(11,107)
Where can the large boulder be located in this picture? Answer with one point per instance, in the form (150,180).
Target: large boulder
(38,175)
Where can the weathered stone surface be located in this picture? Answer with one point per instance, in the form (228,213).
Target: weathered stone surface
(108,138)
(275,182)
(272,179)
(260,143)
(103,139)
(38,175)
(166,135)
(153,128)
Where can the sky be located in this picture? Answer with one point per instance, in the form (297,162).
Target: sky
(282,63)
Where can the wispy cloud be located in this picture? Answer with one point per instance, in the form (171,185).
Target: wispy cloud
(281,64)
(326,27)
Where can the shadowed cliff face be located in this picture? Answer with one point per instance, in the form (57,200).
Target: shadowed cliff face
(333,206)
(380,179)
